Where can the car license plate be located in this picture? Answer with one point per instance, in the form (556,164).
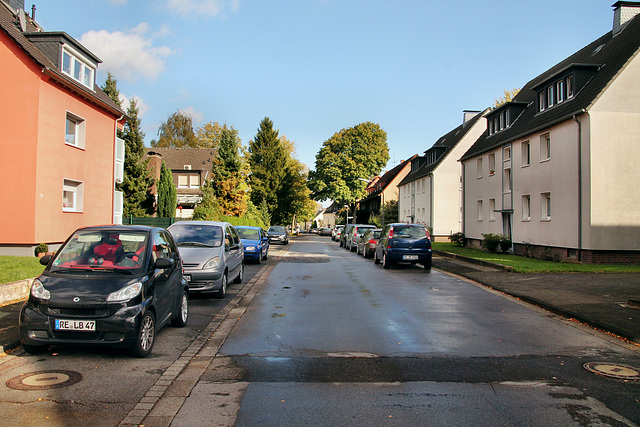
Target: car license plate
(75,325)
(410,257)
(187,277)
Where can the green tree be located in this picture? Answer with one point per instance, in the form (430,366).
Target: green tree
(268,163)
(176,132)
(137,182)
(347,158)
(227,181)
(167,198)
(208,136)
(110,87)
(507,97)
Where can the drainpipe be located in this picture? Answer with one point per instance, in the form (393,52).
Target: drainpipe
(575,118)
(464,223)
(431,185)
(113,193)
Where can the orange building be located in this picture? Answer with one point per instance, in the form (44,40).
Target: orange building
(59,154)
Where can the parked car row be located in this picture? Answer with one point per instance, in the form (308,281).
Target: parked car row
(118,285)
(395,243)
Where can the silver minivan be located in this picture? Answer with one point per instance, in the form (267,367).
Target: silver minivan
(211,253)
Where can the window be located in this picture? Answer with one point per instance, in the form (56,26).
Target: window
(76,68)
(569,81)
(507,153)
(560,91)
(492,164)
(479,164)
(526,208)
(119,161)
(541,104)
(550,96)
(492,209)
(526,153)
(479,211)
(506,185)
(194,181)
(545,147)
(545,206)
(72,195)
(74,130)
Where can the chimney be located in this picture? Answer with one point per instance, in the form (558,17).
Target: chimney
(468,115)
(33,12)
(623,12)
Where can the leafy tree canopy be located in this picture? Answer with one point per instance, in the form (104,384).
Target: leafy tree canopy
(347,157)
(507,97)
(176,132)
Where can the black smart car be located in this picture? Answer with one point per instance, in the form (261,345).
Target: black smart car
(111,285)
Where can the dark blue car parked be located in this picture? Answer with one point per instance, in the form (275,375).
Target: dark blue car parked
(404,243)
(255,242)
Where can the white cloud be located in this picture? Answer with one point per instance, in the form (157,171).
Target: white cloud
(206,8)
(196,116)
(128,55)
(143,107)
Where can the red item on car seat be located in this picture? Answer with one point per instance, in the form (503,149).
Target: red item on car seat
(107,251)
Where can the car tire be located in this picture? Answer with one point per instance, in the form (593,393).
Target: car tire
(35,349)
(223,287)
(351,247)
(259,260)
(375,257)
(340,243)
(428,264)
(266,255)
(180,321)
(240,277)
(146,336)
(385,261)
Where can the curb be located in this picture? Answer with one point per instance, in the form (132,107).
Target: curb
(475,261)
(15,291)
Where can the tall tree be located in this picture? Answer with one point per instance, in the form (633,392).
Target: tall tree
(167,197)
(137,182)
(268,162)
(176,132)
(110,87)
(227,181)
(347,158)
(208,136)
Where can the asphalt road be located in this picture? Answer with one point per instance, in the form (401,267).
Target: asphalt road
(333,339)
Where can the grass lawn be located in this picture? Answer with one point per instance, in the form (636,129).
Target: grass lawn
(529,265)
(14,268)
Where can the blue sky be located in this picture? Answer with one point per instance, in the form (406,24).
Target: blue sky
(317,66)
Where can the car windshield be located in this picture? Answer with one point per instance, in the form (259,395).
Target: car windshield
(276,229)
(248,233)
(409,232)
(101,250)
(197,235)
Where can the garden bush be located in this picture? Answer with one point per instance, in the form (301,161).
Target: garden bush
(457,239)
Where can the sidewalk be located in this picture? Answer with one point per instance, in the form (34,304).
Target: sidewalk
(610,302)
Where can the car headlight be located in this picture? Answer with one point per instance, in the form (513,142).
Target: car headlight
(250,248)
(212,263)
(38,291)
(126,293)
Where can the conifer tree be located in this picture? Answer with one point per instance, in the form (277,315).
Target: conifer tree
(167,197)
(227,181)
(111,88)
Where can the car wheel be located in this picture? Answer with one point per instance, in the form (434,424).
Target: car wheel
(35,349)
(146,336)
(223,287)
(427,265)
(180,321)
(266,255)
(385,261)
(352,248)
(367,254)
(259,260)
(240,275)
(375,257)
(340,243)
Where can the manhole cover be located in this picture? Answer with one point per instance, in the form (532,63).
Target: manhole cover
(44,380)
(622,372)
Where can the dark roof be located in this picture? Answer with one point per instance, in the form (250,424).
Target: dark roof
(445,143)
(386,179)
(605,57)
(9,23)
(177,158)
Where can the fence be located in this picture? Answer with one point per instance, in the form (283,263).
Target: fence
(150,221)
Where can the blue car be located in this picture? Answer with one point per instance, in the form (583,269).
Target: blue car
(255,242)
(404,243)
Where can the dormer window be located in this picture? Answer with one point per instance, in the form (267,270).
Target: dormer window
(503,117)
(76,68)
(562,87)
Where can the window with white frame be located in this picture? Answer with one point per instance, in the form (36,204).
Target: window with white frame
(545,147)
(76,68)
(492,209)
(545,206)
(492,164)
(526,207)
(479,211)
(183,181)
(194,181)
(72,195)
(479,165)
(526,153)
(74,130)
(507,153)
(506,184)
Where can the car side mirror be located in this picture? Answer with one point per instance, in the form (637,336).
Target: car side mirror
(164,263)
(45,260)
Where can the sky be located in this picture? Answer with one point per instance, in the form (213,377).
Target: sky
(315,67)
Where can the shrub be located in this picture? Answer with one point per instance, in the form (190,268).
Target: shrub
(42,248)
(491,242)
(457,239)
(505,243)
